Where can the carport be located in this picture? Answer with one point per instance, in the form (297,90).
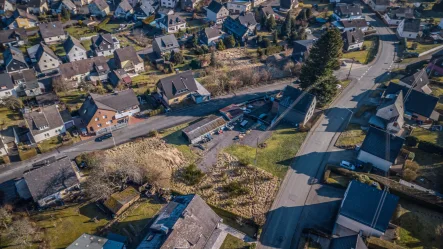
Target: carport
(198,131)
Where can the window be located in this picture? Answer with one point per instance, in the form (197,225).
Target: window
(96,119)
(44,60)
(104,116)
(99,125)
(108,122)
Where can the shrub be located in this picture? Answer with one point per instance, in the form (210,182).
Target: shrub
(411,141)
(411,156)
(412,166)
(244,161)
(235,189)
(192,175)
(430,148)
(153,133)
(409,175)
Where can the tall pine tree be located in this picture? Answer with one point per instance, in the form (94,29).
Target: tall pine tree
(271,23)
(286,28)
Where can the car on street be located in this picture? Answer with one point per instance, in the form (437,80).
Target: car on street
(347,165)
(103,137)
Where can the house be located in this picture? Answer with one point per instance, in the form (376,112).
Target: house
(69,5)
(418,105)
(234,27)
(188,5)
(8,141)
(104,44)
(37,7)
(124,10)
(185,222)
(435,66)
(216,12)
(14,60)
(49,98)
(301,50)
(266,11)
(395,15)
(144,10)
(46,59)
(127,58)
(26,83)
(21,19)
(247,20)
(6,5)
(51,182)
(13,37)
(379,5)
(390,114)
(238,6)
(165,44)
(418,81)
(74,49)
(361,203)
(7,87)
(352,24)
(176,88)
(348,242)
(408,28)
(52,32)
(203,129)
(118,202)
(101,113)
(211,35)
(93,69)
(286,5)
(99,8)
(168,3)
(119,76)
(172,23)
(302,103)
(380,148)
(95,242)
(353,40)
(232,112)
(347,12)
(44,123)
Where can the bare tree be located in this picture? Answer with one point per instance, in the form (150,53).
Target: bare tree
(22,232)
(5,217)
(58,84)
(12,103)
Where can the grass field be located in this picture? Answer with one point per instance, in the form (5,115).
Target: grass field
(429,136)
(73,99)
(78,31)
(361,55)
(8,117)
(232,242)
(277,155)
(421,47)
(353,135)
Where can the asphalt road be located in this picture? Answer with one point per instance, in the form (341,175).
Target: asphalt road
(15,170)
(287,216)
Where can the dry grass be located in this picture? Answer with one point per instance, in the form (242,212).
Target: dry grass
(353,135)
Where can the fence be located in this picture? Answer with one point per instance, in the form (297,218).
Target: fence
(111,128)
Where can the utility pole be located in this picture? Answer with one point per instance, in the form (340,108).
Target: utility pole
(349,73)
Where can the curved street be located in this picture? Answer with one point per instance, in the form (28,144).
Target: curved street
(288,217)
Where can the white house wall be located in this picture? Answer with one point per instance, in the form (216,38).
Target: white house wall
(376,161)
(49,133)
(357,226)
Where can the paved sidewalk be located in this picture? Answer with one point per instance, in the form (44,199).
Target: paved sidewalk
(236,233)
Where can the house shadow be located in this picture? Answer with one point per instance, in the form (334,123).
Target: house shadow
(337,118)
(93,211)
(415,228)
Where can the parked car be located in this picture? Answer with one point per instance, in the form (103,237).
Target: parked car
(104,137)
(347,165)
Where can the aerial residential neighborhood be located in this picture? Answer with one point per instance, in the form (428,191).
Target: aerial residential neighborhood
(221,124)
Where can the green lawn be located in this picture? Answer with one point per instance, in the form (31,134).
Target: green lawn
(275,158)
(353,135)
(8,117)
(361,55)
(232,242)
(26,154)
(429,136)
(62,227)
(73,99)
(175,137)
(80,31)
(422,47)
(55,142)
(230,219)
(111,26)
(87,44)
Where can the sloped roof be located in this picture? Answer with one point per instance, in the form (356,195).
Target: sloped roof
(212,32)
(172,20)
(50,179)
(117,200)
(291,94)
(204,126)
(46,116)
(416,102)
(125,6)
(215,6)
(268,10)
(101,4)
(6,82)
(51,29)
(72,42)
(351,37)
(420,79)
(348,242)
(362,202)
(411,25)
(9,35)
(116,101)
(13,53)
(43,48)
(354,23)
(35,3)
(375,144)
(127,54)
(381,2)
(69,4)
(235,27)
(26,76)
(99,40)
(178,84)
(348,9)
(166,42)
(74,68)
(95,242)
(247,19)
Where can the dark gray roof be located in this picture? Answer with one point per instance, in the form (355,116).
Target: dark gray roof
(362,202)
(50,179)
(420,79)
(347,10)
(43,48)
(416,102)
(381,2)
(351,37)
(348,242)
(204,126)
(13,53)
(98,64)
(290,94)
(172,20)
(24,14)
(400,12)
(166,42)
(215,6)
(354,23)
(301,47)
(235,27)
(95,242)
(8,134)
(411,25)
(268,10)
(127,54)
(47,99)
(27,78)
(101,4)
(51,29)
(178,84)
(287,4)
(186,222)
(101,42)
(47,116)
(375,143)
(212,32)
(6,82)
(10,35)
(124,5)
(35,3)
(71,42)
(247,19)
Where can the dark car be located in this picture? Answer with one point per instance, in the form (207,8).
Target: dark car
(104,137)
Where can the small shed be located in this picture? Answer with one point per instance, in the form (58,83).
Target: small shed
(120,201)
(198,131)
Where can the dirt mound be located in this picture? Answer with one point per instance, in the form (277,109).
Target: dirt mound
(245,191)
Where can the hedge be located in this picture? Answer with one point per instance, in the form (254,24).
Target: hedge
(376,243)
(411,141)
(430,147)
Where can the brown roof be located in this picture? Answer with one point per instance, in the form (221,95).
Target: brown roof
(127,54)
(71,69)
(51,29)
(119,199)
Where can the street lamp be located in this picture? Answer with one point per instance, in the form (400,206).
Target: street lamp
(349,73)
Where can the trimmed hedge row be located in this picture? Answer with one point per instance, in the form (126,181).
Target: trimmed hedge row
(424,145)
